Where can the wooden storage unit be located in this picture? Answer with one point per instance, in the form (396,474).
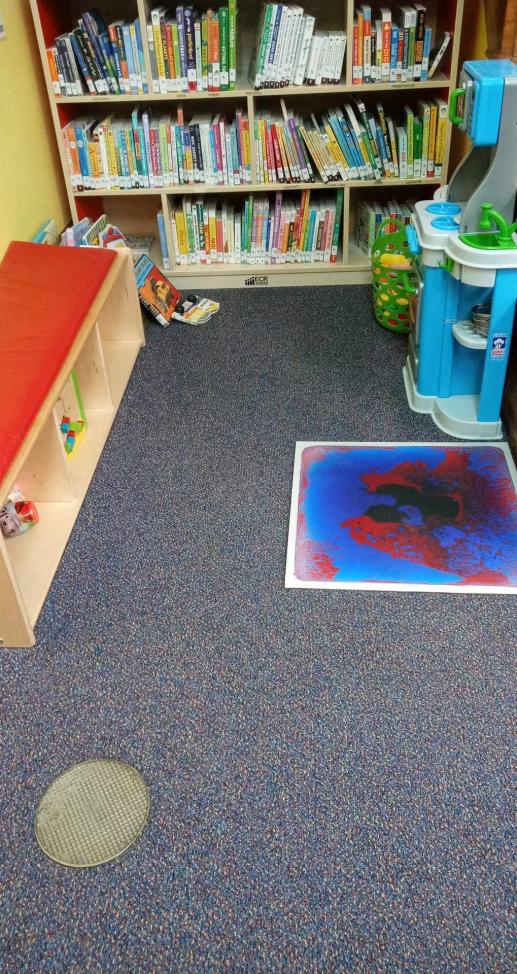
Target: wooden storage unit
(103,355)
(135,210)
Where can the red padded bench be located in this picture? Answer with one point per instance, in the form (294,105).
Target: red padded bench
(61,309)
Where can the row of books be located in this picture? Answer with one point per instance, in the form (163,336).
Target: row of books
(289,51)
(261,231)
(193,53)
(386,51)
(101,233)
(143,152)
(370,215)
(99,59)
(351,143)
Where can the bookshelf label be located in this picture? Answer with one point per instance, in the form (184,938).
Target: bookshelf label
(258,280)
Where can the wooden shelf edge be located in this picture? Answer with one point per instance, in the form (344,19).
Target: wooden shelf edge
(200,189)
(440,81)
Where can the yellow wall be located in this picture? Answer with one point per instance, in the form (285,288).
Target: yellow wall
(31,188)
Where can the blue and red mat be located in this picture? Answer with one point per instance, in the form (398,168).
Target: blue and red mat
(408,516)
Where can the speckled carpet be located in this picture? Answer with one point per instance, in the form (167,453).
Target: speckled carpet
(330,771)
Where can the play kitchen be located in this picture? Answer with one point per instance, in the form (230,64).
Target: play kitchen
(465,265)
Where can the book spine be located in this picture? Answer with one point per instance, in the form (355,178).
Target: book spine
(166,264)
(367,43)
(441,136)
(359,49)
(410,144)
(394,52)
(60,70)
(232,44)
(117,57)
(81,61)
(141,58)
(223,49)
(393,147)
(67,67)
(386,46)
(175,59)
(136,61)
(270,64)
(417,148)
(133,84)
(425,115)
(52,67)
(182,42)
(405,26)
(402,151)
(155,81)
(204,52)
(419,41)
(199,64)
(411,47)
(216,65)
(158,47)
(400,54)
(428,33)
(433,117)
(89,28)
(190,48)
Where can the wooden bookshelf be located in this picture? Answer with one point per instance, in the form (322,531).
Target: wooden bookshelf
(135,210)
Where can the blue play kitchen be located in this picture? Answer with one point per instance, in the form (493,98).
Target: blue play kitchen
(465,249)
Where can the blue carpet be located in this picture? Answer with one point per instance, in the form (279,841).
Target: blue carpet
(330,771)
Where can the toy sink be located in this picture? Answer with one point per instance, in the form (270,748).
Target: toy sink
(487,241)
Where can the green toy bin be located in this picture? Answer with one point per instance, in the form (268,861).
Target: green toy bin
(393,287)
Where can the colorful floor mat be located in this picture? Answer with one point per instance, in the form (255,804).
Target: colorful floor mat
(408,516)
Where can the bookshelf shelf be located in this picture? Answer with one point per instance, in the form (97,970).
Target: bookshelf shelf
(136,209)
(438,82)
(200,189)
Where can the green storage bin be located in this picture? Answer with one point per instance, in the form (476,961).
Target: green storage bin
(393,286)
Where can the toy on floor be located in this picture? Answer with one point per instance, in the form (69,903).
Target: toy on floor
(194,310)
(465,247)
(17,515)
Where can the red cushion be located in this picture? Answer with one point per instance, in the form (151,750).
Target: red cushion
(45,293)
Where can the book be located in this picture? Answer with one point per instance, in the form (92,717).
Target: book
(99,58)
(166,264)
(157,294)
(437,54)
(428,34)
(289,51)
(371,214)
(419,39)
(441,135)
(147,152)
(260,231)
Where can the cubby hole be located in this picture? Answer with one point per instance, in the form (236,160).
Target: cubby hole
(382,195)
(255,253)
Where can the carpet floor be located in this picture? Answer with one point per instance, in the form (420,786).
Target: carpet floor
(330,771)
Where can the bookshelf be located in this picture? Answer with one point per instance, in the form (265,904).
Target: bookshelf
(134,210)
